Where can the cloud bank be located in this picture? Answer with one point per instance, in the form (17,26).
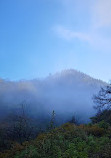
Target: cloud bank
(68,93)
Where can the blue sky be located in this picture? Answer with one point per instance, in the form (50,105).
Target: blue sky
(38,37)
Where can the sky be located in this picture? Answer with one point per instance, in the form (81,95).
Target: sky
(42,37)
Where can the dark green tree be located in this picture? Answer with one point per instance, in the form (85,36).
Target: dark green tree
(103,99)
(52,121)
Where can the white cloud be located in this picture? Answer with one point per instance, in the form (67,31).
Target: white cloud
(69,34)
(101,13)
(97,31)
(99,10)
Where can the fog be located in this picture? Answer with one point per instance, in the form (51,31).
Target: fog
(68,93)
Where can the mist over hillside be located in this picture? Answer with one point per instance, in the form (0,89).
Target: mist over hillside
(68,93)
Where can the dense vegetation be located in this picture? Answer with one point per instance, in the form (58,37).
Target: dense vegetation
(104,115)
(67,141)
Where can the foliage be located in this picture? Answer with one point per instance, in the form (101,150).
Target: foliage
(95,130)
(105,116)
(67,141)
(74,120)
(103,98)
(52,121)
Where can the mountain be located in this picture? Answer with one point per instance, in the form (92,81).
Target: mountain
(69,93)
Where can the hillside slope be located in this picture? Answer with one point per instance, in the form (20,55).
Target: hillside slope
(68,93)
(67,141)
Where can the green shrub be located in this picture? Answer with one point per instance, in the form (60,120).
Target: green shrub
(67,141)
(95,130)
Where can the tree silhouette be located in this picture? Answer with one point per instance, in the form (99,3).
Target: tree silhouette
(103,99)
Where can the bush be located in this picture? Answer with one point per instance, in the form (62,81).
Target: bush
(105,115)
(95,130)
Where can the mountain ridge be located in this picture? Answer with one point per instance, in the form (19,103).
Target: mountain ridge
(62,72)
(67,92)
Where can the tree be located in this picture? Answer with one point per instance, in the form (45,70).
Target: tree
(74,120)
(105,115)
(52,121)
(20,126)
(103,99)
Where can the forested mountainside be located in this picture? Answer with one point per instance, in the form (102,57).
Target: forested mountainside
(28,129)
(68,93)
